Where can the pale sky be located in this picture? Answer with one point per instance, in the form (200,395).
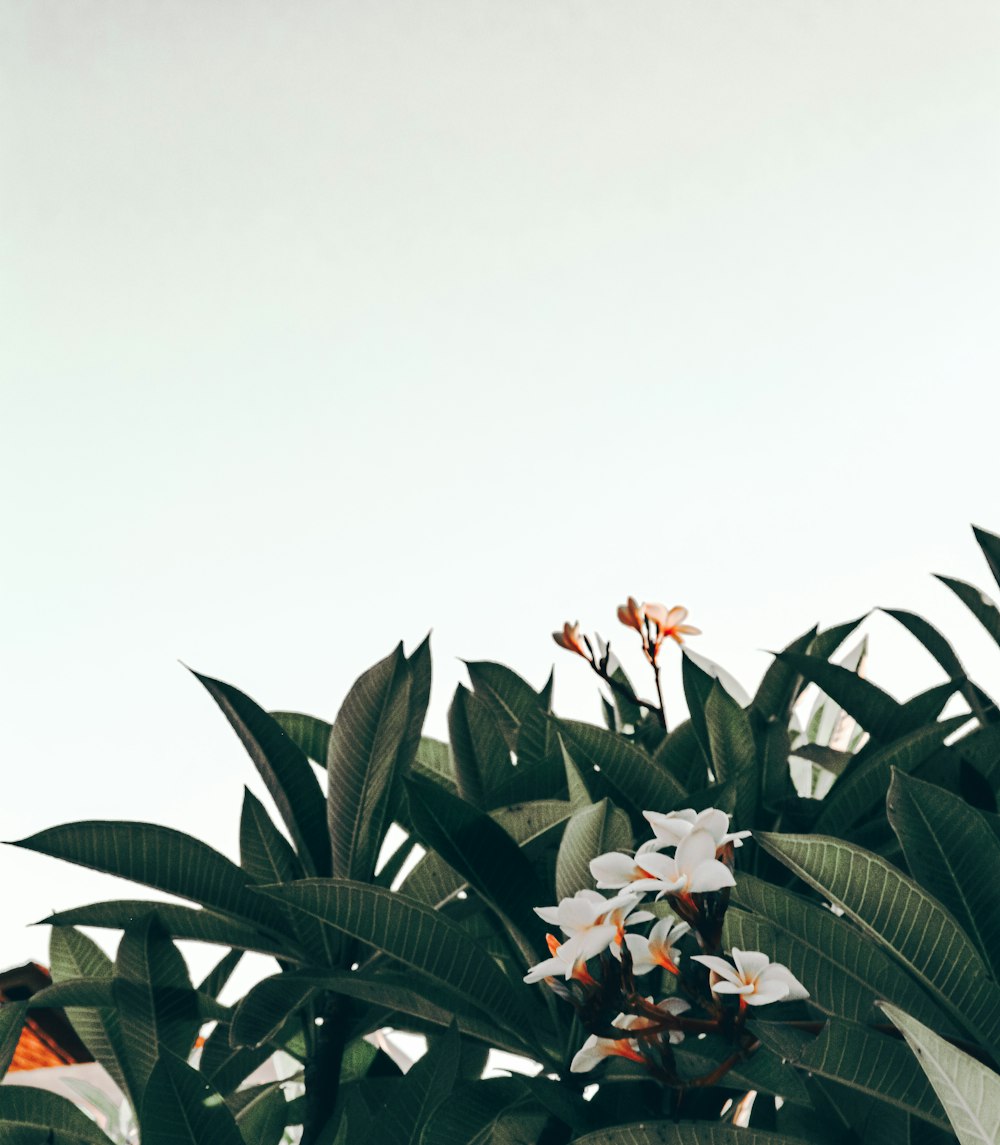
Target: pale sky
(326,324)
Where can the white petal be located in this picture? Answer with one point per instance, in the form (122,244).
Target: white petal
(595,940)
(714,821)
(777,973)
(720,966)
(613,869)
(710,876)
(696,849)
(548,914)
(732,988)
(587,1056)
(775,993)
(675,1006)
(550,968)
(750,963)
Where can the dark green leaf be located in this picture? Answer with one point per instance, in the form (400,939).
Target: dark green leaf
(12,1016)
(874,709)
(591,831)
(413,933)
(29,1108)
(311,734)
(481,756)
(365,752)
(180,1108)
(950,850)
(158,857)
(913,926)
(732,750)
(978,603)
(510,697)
(290,780)
(218,977)
(411,1102)
(702,1133)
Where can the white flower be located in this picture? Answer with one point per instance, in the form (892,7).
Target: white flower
(561,964)
(592,922)
(595,1049)
(673,827)
(615,870)
(657,950)
(694,869)
(755,978)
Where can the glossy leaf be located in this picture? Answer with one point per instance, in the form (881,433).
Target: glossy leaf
(862,786)
(703,1133)
(509,696)
(227,1066)
(290,780)
(158,857)
(873,709)
(179,1107)
(978,603)
(155,1000)
(874,1064)
(968,1090)
(181,922)
(74,956)
(591,831)
(25,1108)
(413,933)
(843,970)
(216,980)
(12,1015)
(633,780)
(365,750)
(475,846)
(913,926)
(311,734)
(411,1102)
(732,750)
(953,853)
(481,756)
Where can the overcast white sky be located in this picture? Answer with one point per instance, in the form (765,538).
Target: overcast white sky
(324,324)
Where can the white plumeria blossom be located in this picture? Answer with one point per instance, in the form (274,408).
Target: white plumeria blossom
(640,872)
(592,922)
(657,949)
(673,827)
(693,869)
(562,964)
(594,1050)
(755,978)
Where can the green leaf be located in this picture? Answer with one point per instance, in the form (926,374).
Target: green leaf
(26,1107)
(697,688)
(591,831)
(702,1133)
(478,1113)
(267,1007)
(779,688)
(181,1108)
(263,1118)
(990,544)
(978,603)
(968,1090)
(216,980)
(433,761)
(227,1066)
(481,756)
(931,639)
(412,1100)
(12,1016)
(268,858)
(910,923)
(156,1002)
(311,734)
(875,710)
(181,922)
(158,857)
(72,956)
(861,788)
(732,750)
(843,970)
(290,780)
(413,933)
(365,752)
(950,850)
(433,881)
(480,851)
(633,780)
(423,999)
(510,697)
(872,1063)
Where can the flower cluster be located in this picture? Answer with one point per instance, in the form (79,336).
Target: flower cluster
(689,863)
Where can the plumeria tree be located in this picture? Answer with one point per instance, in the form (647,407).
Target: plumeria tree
(776,921)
